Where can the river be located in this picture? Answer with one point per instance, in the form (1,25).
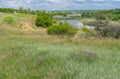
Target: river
(77,23)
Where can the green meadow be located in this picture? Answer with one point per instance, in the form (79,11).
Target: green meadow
(28,52)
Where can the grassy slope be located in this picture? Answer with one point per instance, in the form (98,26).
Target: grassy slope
(36,55)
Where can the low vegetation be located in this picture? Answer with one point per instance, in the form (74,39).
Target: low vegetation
(62,29)
(38,57)
(88,32)
(37,53)
(9,20)
(105,28)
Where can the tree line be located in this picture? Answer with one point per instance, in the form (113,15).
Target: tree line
(19,10)
(113,14)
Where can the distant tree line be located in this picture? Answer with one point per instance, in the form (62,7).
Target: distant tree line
(7,10)
(88,14)
(20,10)
(113,14)
(60,13)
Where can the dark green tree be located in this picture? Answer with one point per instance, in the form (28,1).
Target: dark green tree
(44,19)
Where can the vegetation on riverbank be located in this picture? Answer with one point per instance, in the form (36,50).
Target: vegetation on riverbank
(29,52)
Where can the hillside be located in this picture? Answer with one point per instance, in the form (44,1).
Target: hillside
(28,52)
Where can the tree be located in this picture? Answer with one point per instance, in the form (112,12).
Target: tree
(44,19)
(105,28)
(21,9)
(101,23)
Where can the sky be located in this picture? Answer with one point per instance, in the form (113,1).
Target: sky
(61,4)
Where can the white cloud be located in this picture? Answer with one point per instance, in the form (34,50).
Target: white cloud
(54,1)
(81,0)
(100,0)
(60,4)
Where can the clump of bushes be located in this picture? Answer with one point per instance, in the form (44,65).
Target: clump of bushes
(9,20)
(115,17)
(44,20)
(62,29)
(107,29)
(110,30)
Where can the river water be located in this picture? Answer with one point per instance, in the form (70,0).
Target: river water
(77,23)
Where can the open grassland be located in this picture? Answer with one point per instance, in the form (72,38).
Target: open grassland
(32,54)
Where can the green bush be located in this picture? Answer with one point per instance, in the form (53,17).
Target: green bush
(116,17)
(112,30)
(62,29)
(88,32)
(106,29)
(9,20)
(85,29)
(43,20)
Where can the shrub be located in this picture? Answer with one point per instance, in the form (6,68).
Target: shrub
(62,29)
(85,29)
(43,20)
(112,30)
(9,20)
(106,29)
(88,32)
(100,16)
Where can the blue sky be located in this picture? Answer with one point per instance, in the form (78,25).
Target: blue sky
(62,4)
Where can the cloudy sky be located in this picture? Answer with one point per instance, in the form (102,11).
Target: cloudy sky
(62,4)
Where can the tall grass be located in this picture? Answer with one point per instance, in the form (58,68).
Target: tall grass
(30,59)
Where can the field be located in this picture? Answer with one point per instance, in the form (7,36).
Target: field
(27,52)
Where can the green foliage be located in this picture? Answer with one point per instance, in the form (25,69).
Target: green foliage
(9,20)
(44,20)
(115,17)
(62,29)
(106,29)
(60,13)
(113,14)
(88,32)
(89,13)
(85,29)
(20,10)
(7,10)
(100,16)
(112,30)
